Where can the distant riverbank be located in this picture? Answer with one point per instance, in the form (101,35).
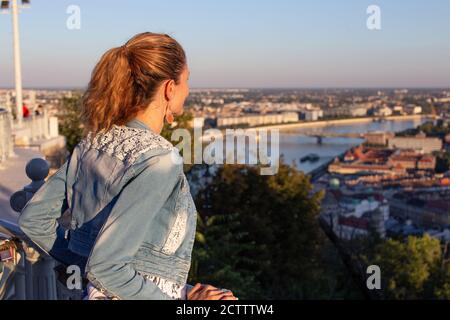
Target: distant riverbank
(324,123)
(294,145)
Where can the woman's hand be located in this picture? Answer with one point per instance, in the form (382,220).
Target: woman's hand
(208,292)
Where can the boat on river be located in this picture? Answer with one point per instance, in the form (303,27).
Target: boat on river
(312,157)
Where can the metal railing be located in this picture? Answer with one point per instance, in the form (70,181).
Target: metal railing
(6,136)
(26,272)
(36,127)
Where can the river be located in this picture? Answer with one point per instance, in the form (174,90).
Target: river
(294,146)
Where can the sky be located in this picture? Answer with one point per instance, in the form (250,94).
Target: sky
(242,43)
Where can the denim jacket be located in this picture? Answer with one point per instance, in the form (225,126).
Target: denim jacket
(132,213)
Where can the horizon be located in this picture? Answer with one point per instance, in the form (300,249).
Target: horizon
(250,88)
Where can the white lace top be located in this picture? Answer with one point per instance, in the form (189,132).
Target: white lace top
(172,289)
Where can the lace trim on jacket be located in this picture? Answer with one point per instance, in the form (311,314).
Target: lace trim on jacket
(126,143)
(178,230)
(172,289)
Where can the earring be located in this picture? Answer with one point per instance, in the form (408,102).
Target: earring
(169,115)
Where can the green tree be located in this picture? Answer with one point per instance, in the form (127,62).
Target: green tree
(442,290)
(413,269)
(211,261)
(70,124)
(260,235)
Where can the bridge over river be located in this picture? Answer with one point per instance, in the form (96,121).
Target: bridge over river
(321,135)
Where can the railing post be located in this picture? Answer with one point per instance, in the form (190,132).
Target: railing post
(35,276)
(32,119)
(46,120)
(38,126)
(10,140)
(6,138)
(37,170)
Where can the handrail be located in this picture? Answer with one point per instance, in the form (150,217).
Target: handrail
(31,274)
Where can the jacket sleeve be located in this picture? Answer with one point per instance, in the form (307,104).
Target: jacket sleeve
(38,219)
(108,267)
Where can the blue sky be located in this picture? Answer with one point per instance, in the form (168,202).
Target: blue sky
(243,43)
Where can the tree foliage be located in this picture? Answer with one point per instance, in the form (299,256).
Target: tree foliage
(413,269)
(70,125)
(259,236)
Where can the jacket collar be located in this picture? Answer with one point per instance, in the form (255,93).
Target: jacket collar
(135,123)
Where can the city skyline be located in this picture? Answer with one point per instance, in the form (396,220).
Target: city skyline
(255,44)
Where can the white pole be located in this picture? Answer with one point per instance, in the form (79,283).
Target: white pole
(17,63)
(10,124)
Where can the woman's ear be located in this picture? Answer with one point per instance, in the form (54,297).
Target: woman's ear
(169,91)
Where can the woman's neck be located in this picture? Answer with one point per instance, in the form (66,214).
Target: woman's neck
(153,118)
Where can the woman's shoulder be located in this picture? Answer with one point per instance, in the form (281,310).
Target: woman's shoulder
(130,145)
(170,163)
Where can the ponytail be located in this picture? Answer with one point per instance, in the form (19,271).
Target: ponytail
(126,79)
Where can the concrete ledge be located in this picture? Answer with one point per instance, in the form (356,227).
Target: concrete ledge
(48,146)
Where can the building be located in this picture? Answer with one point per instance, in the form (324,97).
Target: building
(358,112)
(353,110)
(197,122)
(312,114)
(378,138)
(258,120)
(426,162)
(353,215)
(418,143)
(413,109)
(383,111)
(389,162)
(428,214)
(398,110)
(411,160)
(362,159)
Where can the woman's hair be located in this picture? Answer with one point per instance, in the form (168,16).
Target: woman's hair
(126,79)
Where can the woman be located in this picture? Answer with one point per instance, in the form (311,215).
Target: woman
(133,219)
